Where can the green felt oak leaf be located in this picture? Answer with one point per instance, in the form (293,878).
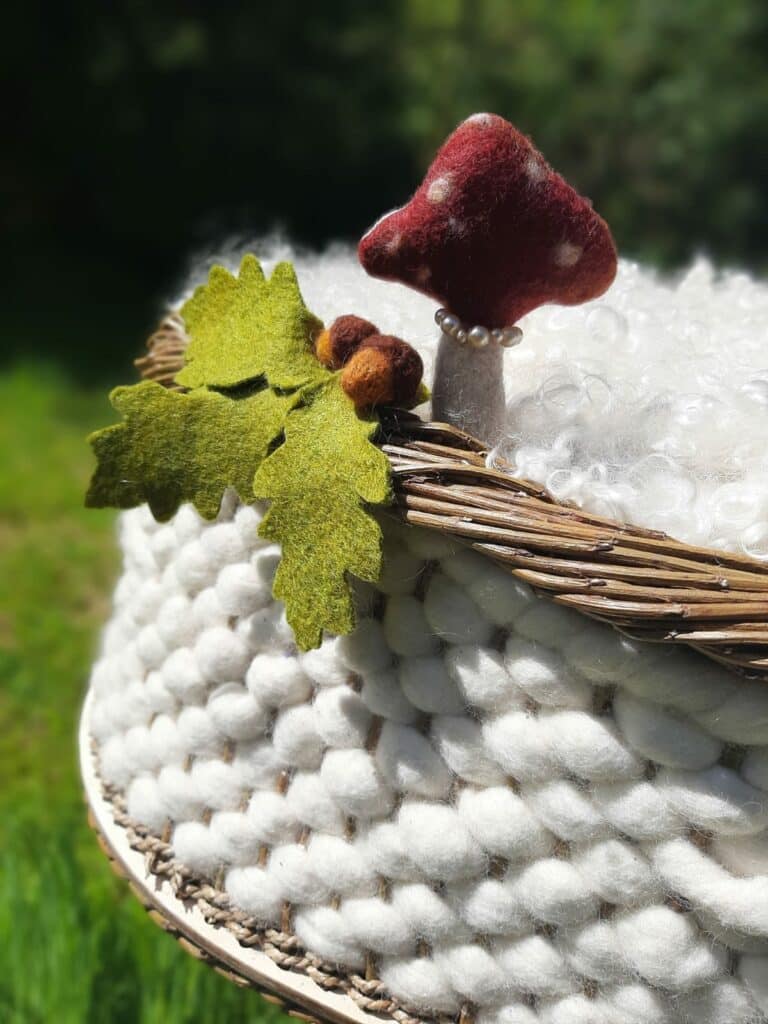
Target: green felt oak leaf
(423,394)
(174,447)
(317,481)
(246,327)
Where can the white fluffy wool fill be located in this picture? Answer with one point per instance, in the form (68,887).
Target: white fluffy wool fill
(648,405)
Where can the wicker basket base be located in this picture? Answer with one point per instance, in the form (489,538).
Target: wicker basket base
(292,989)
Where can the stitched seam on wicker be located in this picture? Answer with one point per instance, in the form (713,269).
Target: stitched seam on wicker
(281,947)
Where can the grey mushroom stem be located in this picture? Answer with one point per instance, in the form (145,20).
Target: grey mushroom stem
(468,389)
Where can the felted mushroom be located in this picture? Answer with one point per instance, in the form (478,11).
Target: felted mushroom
(491,233)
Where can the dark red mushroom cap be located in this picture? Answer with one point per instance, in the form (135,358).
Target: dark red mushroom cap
(493,231)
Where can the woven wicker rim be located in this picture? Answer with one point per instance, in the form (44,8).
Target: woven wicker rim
(642,582)
(269,960)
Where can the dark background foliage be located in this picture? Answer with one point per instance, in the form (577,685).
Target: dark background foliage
(138,131)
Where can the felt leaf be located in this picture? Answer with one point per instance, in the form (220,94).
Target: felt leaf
(175,447)
(318,481)
(245,327)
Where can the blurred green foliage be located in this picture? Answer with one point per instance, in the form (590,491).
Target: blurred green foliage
(655,109)
(77,948)
(142,131)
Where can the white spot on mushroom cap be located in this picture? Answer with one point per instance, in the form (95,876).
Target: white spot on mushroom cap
(566,254)
(439,189)
(393,244)
(484,120)
(534,169)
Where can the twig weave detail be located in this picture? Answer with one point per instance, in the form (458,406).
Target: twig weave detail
(641,581)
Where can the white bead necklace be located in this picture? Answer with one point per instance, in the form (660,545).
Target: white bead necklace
(477,336)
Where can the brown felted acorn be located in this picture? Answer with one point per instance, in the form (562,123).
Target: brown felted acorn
(336,343)
(383,371)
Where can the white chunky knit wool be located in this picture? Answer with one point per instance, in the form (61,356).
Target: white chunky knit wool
(501,802)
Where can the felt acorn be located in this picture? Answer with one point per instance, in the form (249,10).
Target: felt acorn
(336,343)
(378,369)
(383,371)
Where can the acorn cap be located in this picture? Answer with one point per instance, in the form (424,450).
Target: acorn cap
(493,232)
(336,343)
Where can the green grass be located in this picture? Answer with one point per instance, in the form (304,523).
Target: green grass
(75,946)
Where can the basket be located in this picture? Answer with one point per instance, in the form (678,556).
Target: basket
(478,806)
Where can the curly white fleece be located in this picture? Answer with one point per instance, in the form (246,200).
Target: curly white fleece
(648,405)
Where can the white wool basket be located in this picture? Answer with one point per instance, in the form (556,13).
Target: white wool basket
(478,804)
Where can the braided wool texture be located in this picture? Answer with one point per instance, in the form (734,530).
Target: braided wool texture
(491,799)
